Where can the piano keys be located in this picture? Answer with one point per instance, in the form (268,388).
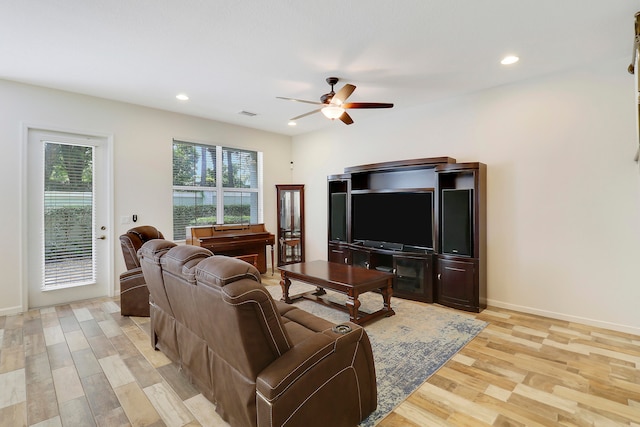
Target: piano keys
(234,240)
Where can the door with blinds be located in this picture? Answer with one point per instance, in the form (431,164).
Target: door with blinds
(67,218)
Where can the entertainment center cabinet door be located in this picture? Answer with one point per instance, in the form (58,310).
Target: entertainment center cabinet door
(413,277)
(457,284)
(360,258)
(339,253)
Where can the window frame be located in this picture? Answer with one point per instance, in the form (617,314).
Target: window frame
(219,189)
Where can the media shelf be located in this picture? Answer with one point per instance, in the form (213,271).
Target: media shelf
(413,271)
(423,220)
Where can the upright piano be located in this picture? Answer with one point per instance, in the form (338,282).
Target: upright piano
(234,240)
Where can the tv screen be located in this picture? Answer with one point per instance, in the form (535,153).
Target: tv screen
(393,217)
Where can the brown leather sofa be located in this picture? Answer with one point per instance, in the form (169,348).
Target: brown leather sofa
(262,362)
(134,295)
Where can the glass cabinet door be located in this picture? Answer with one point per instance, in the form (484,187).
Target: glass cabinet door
(413,277)
(290,224)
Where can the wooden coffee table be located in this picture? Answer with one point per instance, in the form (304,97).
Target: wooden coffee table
(342,278)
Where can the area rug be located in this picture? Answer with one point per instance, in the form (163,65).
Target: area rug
(407,348)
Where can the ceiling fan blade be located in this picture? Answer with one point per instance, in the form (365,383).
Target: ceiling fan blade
(299,100)
(343,93)
(306,114)
(367,105)
(346,118)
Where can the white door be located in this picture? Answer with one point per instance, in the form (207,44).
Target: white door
(67,218)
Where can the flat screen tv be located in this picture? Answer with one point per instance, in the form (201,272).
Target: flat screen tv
(394,217)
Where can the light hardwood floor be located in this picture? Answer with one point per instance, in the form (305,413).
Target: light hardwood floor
(83,364)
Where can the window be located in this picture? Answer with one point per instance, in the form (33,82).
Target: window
(215,185)
(69,251)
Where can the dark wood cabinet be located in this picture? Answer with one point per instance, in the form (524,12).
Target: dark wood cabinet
(290,223)
(413,272)
(414,277)
(339,187)
(457,280)
(449,266)
(339,253)
(462,259)
(361,258)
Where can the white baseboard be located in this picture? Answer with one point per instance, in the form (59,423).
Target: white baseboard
(562,316)
(10,311)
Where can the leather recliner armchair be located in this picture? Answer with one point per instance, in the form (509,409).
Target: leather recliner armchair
(134,295)
(261,361)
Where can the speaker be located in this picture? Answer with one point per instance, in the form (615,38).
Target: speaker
(338,216)
(457,222)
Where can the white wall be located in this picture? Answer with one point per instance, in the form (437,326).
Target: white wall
(563,197)
(142,163)
(563,189)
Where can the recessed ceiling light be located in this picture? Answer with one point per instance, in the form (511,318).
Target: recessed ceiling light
(292,123)
(182,97)
(508,60)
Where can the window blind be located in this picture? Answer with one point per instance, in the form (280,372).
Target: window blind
(214,185)
(68,215)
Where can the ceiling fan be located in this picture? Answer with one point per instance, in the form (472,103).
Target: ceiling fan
(334,105)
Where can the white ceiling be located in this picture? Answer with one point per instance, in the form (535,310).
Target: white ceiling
(232,55)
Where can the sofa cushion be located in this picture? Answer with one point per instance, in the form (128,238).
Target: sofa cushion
(182,261)
(133,240)
(155,249)
(220,270)
(308,320)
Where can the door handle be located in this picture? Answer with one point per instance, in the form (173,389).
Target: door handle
(103,237)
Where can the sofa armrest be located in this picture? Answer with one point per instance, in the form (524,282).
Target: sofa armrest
(301,358)
(327,379)
(134,294)
(131,279)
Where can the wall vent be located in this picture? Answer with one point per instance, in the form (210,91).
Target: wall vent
(247,113)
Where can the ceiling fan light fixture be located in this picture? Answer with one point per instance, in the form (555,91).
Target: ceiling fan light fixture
(332,112)
(509,60)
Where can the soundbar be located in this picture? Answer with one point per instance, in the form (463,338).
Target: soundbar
(383,245)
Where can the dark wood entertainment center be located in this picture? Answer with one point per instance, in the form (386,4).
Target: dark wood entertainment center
(450,266)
